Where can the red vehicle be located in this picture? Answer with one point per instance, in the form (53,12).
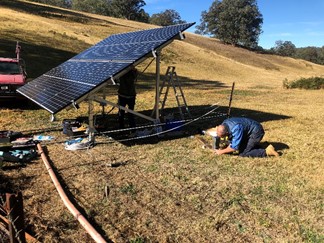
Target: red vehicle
(12,75)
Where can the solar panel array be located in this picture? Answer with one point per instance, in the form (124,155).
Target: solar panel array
(75,78)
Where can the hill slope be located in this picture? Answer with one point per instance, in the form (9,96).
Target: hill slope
(51,35)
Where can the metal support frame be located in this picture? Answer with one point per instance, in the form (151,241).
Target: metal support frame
(100,100)
(157,55)
(91,129)
(157,86)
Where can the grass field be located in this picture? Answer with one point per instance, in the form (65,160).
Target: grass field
(170,189)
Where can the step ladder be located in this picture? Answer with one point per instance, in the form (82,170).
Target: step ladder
(171,81)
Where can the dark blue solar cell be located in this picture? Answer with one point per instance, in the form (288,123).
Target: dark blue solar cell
(75,78)
(123,52)
(86,72)
(53,93)
(157,34)
(119,46)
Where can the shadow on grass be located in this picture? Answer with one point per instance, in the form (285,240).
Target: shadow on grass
(9,186)
(147,82)
(280,146)
(39,59)
(188,127)
(21,103)
(52,12)
(45,11)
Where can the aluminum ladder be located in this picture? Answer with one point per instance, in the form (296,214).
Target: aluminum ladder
(171,80)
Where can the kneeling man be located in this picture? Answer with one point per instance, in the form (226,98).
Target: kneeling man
(245,135)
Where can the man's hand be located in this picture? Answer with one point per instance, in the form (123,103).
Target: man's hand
(218,151)
(224,151)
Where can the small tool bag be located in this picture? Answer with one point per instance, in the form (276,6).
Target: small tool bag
(68,125)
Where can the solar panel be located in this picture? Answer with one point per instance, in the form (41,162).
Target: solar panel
(123,52)
(94,67)
(88,73)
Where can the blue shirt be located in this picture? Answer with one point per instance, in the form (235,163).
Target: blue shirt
(237,135)
(240,128)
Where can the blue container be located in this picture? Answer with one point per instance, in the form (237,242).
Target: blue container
(174,125)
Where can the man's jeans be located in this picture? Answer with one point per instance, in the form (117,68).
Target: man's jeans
(250,147)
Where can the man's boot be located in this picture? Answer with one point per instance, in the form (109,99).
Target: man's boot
(270,151)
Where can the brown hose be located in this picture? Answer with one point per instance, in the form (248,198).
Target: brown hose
(83,221)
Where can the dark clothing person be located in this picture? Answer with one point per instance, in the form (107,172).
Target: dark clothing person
(245,135)
(130,102)
(127,97)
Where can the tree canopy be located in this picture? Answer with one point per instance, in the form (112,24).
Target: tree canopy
(236,22)
(128,9)
(309,53)
(284,48)
(60,3)
(91,6)
(168,17)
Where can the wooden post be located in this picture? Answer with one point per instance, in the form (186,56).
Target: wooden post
(230,101)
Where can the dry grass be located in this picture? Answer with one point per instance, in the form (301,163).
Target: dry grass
(171,190)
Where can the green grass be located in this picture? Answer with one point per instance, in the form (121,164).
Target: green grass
(128,189)
(305,83)
(308,235)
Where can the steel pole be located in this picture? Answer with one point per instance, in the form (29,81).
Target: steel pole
(157,86)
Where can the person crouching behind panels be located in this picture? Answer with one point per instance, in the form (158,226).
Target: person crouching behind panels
(245,135)
(127,97)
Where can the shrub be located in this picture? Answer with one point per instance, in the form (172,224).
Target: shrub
(305,83)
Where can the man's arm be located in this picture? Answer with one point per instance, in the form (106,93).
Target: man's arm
(225,150)
(237,135)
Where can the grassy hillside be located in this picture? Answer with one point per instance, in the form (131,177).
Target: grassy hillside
(170,189)
(50,35)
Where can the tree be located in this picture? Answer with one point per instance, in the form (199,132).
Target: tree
(129,9)
(309,53)
(91,6)
(236,22)
(321,55)
(60,3)
(284,48)
(168,17)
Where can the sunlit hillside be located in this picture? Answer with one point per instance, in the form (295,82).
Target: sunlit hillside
(57,34)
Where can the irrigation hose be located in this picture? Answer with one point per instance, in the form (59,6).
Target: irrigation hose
(77,215)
